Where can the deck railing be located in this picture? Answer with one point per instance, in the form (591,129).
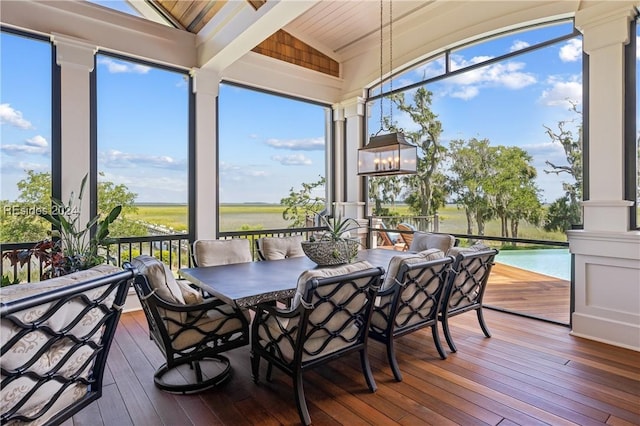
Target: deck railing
(175,250)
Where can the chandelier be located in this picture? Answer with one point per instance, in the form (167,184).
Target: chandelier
(388,153)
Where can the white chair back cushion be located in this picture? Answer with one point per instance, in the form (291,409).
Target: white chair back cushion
(160,278)
(428,240)
(274,248)
(396,261)
(221,252)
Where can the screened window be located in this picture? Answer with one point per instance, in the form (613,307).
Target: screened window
(143,145)
(268,146)
(505,109)
(25,138)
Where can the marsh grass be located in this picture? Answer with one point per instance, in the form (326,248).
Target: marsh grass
(236,217)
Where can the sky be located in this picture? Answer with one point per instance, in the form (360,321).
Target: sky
(270,144)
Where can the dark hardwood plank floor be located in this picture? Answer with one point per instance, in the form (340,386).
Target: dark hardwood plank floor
(527,292)
(528,373)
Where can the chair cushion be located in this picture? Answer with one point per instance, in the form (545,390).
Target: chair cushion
(219,321)
(222,252)
(160,278)
(191,295)
(479,246)
(274,248)
(317,344)
(410,258)
(324,272)
(428,240)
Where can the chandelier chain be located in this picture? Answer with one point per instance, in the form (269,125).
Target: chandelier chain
(390,62)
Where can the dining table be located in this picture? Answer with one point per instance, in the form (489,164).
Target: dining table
(249,283)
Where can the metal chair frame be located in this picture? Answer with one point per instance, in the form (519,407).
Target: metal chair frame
(297,339)
(465,289)
(423,305)
(117,283)
(208,349)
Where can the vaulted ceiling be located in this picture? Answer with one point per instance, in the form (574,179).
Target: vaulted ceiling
(314,39)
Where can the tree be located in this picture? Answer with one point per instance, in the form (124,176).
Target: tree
(468,169)
(571,142)
(511,189)
(384,190)
(20,221)
(302,203)
(427,189)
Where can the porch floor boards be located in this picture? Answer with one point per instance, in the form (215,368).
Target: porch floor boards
(529,373)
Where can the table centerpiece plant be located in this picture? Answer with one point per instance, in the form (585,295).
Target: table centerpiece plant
(333,246)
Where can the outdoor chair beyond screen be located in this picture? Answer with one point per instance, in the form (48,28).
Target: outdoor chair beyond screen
(329,318)
(406,237)
(190,331)
(467,284)
(410,299)
(275,248)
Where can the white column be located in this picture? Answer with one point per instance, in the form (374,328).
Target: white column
(337,156)
(206,88)
(351,204)
(606,252)
(76,60)
(350,184)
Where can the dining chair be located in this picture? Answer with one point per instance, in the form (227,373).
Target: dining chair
(406,237)
(428,240)
(221,252)
(274,248)
(466,285)
(410,299)
(329,318)
(192,332)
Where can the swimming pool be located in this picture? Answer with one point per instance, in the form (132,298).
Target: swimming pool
(553,262)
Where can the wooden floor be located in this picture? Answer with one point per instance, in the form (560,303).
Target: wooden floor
(528,373)
(530,293)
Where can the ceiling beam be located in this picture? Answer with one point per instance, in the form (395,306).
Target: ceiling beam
(238,28)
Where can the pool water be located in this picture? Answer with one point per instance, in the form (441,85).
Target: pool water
(553,262)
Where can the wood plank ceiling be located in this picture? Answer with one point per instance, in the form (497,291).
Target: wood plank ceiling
(193,15)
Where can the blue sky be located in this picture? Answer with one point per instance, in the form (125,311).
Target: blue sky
(270,144)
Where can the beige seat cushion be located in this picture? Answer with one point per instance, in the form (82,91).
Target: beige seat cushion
(274,248)
(428,240)
(221,252)
(315,341)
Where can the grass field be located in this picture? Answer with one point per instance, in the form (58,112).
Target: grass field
(235,217)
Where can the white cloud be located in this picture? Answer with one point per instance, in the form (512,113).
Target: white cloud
(35,145)
(518,45)
(37,141)
(115,66)
(13,117)
(509,75)
(238,173)
(571,51)
(119,159)
(562,93)
(292,160)
(308,144)
(465,92)
(19,167)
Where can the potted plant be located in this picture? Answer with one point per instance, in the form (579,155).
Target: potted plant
(72,247)
(333,246)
